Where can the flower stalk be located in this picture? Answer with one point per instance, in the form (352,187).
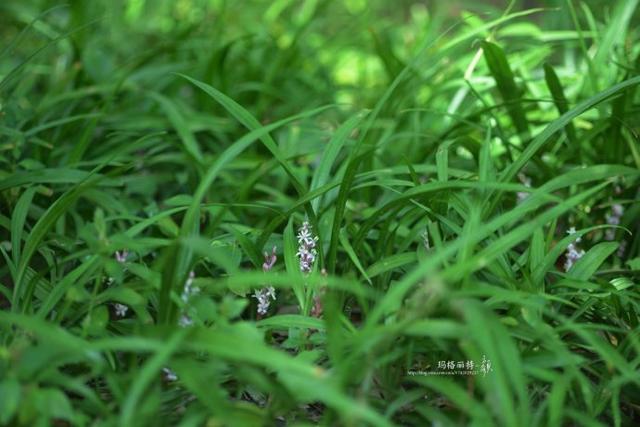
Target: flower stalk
(306,247)
(613,218)
(268,293)
(188,291)
(573,252)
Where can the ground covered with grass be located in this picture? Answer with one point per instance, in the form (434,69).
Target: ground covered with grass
(345,213)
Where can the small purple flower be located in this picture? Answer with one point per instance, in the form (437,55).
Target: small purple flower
(269,260)
(622,249)
(617,210)
(121,257)
(306,247)
(265,294)
(573,253)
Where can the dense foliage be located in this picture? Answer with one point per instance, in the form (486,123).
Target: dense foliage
(339,212)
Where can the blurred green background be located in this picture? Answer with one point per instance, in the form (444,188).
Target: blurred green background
(105,145)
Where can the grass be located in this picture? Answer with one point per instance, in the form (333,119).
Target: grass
(470,172)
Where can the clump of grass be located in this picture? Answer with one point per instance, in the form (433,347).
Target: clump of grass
(452,201)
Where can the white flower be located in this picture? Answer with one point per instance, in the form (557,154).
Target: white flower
(270,292)
(263,295)
(306,247)
(185,321)
(169,375)
(425,240)
(188,291)
(571,232)
(573,254)
(121,309)
(526,181)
